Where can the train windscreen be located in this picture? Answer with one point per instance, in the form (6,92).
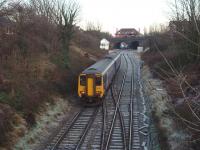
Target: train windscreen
(83,80)
(98,81)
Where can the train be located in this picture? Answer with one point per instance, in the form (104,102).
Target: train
(94,82)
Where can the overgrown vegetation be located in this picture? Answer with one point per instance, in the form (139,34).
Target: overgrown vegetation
(92,33)
(174,57)
(37,58)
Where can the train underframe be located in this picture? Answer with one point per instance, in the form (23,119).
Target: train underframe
(91,101)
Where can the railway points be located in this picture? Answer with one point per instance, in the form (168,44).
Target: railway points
(119,123)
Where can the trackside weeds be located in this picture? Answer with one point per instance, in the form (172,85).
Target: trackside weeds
(175,138)
(47,122)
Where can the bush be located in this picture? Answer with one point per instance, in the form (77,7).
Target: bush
(6,115)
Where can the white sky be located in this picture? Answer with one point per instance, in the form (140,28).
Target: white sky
(116,14)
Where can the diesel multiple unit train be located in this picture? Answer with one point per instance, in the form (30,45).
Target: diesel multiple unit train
(94,81)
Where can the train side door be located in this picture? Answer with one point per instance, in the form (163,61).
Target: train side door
(90,85)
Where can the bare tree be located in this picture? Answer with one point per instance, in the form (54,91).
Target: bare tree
(3,9)
(67,19)
(63,14)
(45,8)
(2,3)
(187,21)
(93,26)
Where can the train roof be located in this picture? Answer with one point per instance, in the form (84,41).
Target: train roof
(100,66)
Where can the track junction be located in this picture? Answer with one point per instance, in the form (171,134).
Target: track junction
(122,122)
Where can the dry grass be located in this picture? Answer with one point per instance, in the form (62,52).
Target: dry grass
(89,41)
(183,88)
(152,58)
(31,66)
(12,126)
(26,85)
(171,136)
(48,119)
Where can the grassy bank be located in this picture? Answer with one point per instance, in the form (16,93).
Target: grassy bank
(170,60)
(170,136)
(26,93)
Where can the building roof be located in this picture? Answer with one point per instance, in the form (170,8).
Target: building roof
(104,41)
(127,31)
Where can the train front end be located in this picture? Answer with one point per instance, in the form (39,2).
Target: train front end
(90,87)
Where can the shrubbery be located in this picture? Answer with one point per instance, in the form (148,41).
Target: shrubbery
(174,57)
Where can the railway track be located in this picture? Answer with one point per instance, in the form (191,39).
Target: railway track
(116,137)
(134,137)
(145,129)
(114,125)
(124,129)
(72,135)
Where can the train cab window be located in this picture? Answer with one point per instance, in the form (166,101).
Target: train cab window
(98,81)
(83,80)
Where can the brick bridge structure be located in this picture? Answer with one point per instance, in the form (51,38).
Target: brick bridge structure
(131,37)
(132,42)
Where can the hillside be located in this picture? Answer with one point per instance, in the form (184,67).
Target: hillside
(25,93)
(40,60)
(170,59)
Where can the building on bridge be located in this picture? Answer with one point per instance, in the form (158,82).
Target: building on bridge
(127,32)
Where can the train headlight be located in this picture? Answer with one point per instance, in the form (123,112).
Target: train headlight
(82,92)
(99,92)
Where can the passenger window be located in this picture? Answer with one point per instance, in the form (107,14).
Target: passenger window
(98,81)
(82,80)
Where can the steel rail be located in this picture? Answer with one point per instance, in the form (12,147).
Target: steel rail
(87,129)
(131,109)
(116,107)
(136,141)
(121,121)
(103,126)
(67,130)
(104,113)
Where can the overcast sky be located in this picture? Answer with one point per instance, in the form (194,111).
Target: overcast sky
(116,14)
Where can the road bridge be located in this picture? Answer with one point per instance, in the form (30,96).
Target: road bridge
(132,42)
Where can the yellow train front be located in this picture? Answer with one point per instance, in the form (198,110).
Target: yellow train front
(94,81)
